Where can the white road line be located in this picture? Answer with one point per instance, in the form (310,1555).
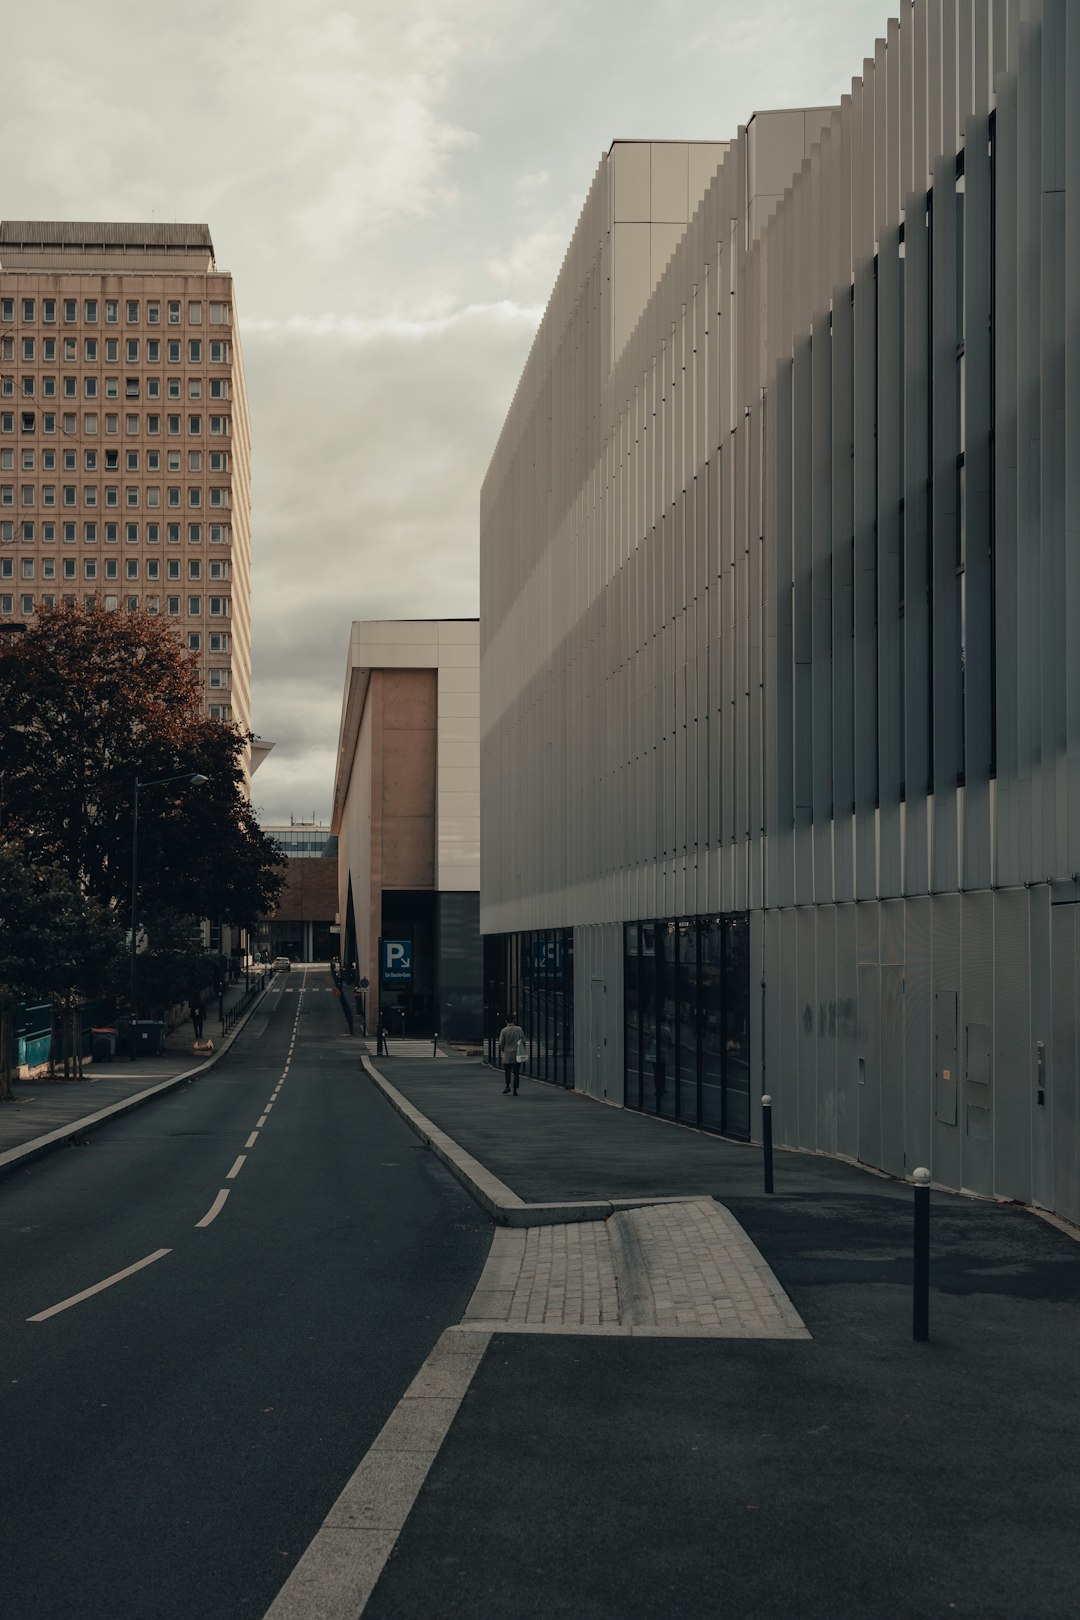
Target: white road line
(235,1171)
(117,1276)
(252,1139)
(216,1207)
(336,1575)
(259,1123)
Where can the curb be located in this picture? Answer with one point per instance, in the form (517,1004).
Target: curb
(637,1303)
(16,1157)
(494,1196)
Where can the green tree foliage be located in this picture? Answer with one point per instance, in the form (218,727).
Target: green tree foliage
(90,701)
(174,967)
(55,943)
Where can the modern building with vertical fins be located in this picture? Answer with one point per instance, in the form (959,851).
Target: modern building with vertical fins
(124,437)
(780,581)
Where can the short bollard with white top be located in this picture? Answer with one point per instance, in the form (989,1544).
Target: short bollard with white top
(920,1302)
(766,1139)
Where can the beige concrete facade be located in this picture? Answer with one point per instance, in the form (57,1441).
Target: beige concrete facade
(124,436)
(407,787)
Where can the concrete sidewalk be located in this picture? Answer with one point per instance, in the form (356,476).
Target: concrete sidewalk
(625,1475)
(48,1113)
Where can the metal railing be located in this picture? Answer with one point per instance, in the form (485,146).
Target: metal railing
(231,1016)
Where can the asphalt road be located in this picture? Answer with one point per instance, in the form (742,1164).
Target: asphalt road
(855,1476)
(170,1444)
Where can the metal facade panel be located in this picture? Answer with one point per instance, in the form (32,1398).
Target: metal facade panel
(847,1032)
(760,941)
(1063,1099)
(803,619)
(868,932)
(889,490)
(806,968)
(946,945)
(917,642)
(821,568)
(826,1025)
(1071,657)
(892,932)
(946,629)
(784,1080)
(1041,1035)
(1011,1077)
(918,1030)
(1028,429)
(1007,861)
(869,1081)
(1053,629)
(978,558)
(893,1100)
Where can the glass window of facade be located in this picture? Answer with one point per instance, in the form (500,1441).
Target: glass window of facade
(686,985)
(530,976)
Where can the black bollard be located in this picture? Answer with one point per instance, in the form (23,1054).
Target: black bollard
(920,1282)
(435,1044)
(766,1139)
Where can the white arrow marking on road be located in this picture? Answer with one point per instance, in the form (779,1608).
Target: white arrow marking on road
(216,1207)
(117,1276)
(235,1171)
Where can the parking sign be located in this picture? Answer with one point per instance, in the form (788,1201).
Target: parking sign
(396,964)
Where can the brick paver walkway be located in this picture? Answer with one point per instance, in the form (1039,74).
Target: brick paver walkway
(682,1267)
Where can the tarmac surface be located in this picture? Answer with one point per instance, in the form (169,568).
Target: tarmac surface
(172,1440)
(602,1475)
(855,1474)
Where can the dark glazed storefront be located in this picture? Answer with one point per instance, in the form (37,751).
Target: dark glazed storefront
(531,976)
(687,1020)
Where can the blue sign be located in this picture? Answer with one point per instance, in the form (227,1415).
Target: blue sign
(547,958)
(396,961)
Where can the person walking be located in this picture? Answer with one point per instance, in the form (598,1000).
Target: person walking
(197,1018)
(512,1051)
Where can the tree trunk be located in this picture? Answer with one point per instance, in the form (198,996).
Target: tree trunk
(54,1038)
(7,1037)
(76,1040)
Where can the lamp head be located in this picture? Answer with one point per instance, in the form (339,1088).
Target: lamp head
(197,780)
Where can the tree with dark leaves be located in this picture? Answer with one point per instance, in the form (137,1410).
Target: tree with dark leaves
(90,701)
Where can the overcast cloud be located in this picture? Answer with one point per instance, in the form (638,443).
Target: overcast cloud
(393,185)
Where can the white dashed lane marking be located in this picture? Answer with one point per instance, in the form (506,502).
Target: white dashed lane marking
(215,1208)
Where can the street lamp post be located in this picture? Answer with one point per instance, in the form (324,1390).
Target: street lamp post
(196,780)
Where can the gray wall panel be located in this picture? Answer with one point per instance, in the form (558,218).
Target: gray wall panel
(947,1040)
(1040,1039)
(1011,1080)
(1063,1099)
(918,1031)
(806,967)
(847,1031)
(826,1021)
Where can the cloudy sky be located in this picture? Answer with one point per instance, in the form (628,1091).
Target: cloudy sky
(393,184)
